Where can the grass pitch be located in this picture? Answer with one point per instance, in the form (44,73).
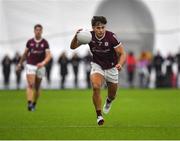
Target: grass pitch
(69,114)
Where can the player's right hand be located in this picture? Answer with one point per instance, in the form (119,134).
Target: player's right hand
(41,64)
(78,31)
(75,37)
(119,67)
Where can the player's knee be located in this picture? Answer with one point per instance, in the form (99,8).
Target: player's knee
(96,87)
(30,85)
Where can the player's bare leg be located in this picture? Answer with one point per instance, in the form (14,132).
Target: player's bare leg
(36,90)
(97,81)
(30,89)
(112,89)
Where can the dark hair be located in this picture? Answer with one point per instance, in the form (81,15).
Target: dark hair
(96,20)
(38,25)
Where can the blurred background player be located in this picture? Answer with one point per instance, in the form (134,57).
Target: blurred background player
(75,62)
(131,68)
(142,65)
(6,70)
(16,60)
(48,71)
(63,64)
(37,55)
(108,58)
(87,62)
(158,61)
(177,59)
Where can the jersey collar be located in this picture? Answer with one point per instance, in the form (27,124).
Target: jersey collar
(101,37)
(37,41)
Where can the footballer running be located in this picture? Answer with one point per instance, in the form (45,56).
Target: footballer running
(37,54)
(109,57)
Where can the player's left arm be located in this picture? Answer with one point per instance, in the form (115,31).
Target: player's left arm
(46,60)
(121,56)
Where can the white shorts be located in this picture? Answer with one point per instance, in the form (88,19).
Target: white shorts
(32,69)
(110,75)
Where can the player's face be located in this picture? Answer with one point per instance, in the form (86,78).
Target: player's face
(38,32)
(99,30)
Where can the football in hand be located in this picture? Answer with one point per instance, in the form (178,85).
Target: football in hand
(84,37)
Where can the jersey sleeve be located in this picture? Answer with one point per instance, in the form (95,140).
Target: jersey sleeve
(115,41)
(47,46)
(28,44)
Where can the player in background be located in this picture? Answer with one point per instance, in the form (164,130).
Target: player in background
(37,54)
(108,59)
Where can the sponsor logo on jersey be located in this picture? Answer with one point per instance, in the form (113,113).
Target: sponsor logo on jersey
(37,45)
(31,44)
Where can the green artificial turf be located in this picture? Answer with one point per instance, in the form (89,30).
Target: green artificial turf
(69,114)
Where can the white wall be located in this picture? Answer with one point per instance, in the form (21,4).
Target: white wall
(61,18)
(166,14)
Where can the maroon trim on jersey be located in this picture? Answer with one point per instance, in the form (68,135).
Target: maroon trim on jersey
(118,45)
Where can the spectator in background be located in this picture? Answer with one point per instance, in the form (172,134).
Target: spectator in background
(6,66)
(75,61)
(170,76)
(63,63)
(131,68)
(87,61)
(48,70)
(16,60)
(177,59)
(143,70)
(158,60)
(149,67)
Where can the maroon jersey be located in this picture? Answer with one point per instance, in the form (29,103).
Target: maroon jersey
(103,49)
(37,51)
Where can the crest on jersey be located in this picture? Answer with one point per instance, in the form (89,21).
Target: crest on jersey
(106,44)
(42,45)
